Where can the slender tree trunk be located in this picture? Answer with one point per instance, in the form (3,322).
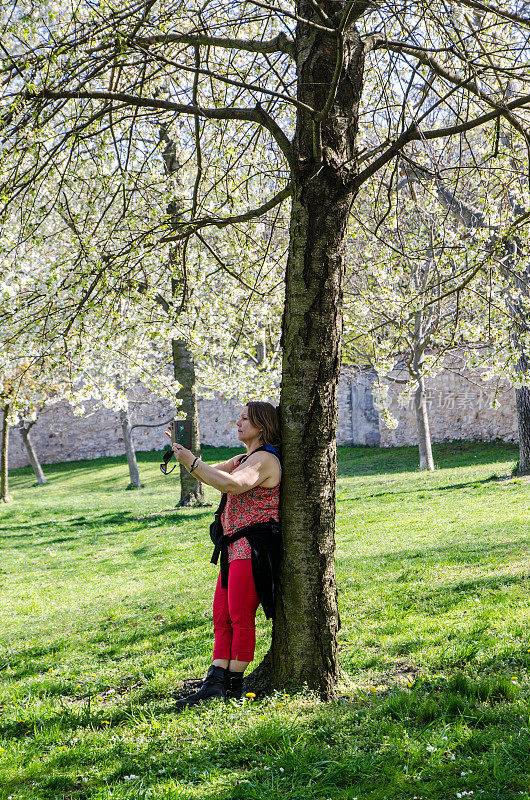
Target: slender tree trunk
(521,326)
(522,402)
(422,421)
(4,469)
(304,640)
(191,490)
(32,455)
(134,475)
(420,396)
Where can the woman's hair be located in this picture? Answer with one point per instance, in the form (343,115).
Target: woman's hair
(267,418)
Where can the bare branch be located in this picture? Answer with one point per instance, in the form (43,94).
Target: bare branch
(256,114)
(469,84)
(222,223)
(498,12)
(280,43)
(413,133)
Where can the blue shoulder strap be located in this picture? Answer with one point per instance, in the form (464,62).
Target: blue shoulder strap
(274,450)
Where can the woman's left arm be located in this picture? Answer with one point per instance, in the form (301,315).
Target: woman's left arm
(258,468)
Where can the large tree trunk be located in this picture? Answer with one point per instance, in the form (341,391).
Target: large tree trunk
(32,455)
(191,490)
(304,640)
(4,469)
(134,475)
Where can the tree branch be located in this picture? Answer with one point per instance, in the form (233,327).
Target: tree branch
(413,133)
(356,10)
(256,114)
(407,136)
(442,72)
(156,425)
(252,87)
(499,12)
(218,222)
(280,43)
(227,268)
(522,101)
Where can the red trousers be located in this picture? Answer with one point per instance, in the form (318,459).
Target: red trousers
(234,613)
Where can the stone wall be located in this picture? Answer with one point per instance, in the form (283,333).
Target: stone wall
(59,435)
(459,408)
(459,403)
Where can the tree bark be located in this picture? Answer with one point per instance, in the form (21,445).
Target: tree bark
(134,475)
(4,469)
(522,400)
(304,639)
(191,490)
(420,396)
(519,333)
(32,455)
(416,366)
(422,421)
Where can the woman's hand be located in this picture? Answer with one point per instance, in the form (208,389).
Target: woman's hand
(182,454)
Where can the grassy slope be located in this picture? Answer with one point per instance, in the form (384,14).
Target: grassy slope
(105,606)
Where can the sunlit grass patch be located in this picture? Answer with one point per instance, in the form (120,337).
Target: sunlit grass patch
(106,613)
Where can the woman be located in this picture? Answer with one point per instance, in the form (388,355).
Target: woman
(250,545)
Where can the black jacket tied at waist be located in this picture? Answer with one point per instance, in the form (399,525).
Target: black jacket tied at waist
(265,540)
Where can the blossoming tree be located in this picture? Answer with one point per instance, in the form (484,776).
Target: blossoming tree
(317,81)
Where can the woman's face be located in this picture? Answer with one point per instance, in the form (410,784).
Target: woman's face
(245,429)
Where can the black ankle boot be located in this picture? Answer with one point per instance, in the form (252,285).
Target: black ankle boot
(212,686)
(234,685)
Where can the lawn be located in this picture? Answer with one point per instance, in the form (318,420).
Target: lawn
(105,603)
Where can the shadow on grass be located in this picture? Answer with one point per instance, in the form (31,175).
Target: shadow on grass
(24,663)
(362,461)
(449,596)
(120,521)
(458,553)
(118,642)
(374,744)
(419,492)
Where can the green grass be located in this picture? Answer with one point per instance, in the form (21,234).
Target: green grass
(105,603)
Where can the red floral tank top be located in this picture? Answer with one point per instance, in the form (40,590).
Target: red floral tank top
(259,504)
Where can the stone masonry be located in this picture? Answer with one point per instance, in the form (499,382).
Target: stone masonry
(459,408)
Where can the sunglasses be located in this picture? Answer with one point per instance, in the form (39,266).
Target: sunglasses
(166,458)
